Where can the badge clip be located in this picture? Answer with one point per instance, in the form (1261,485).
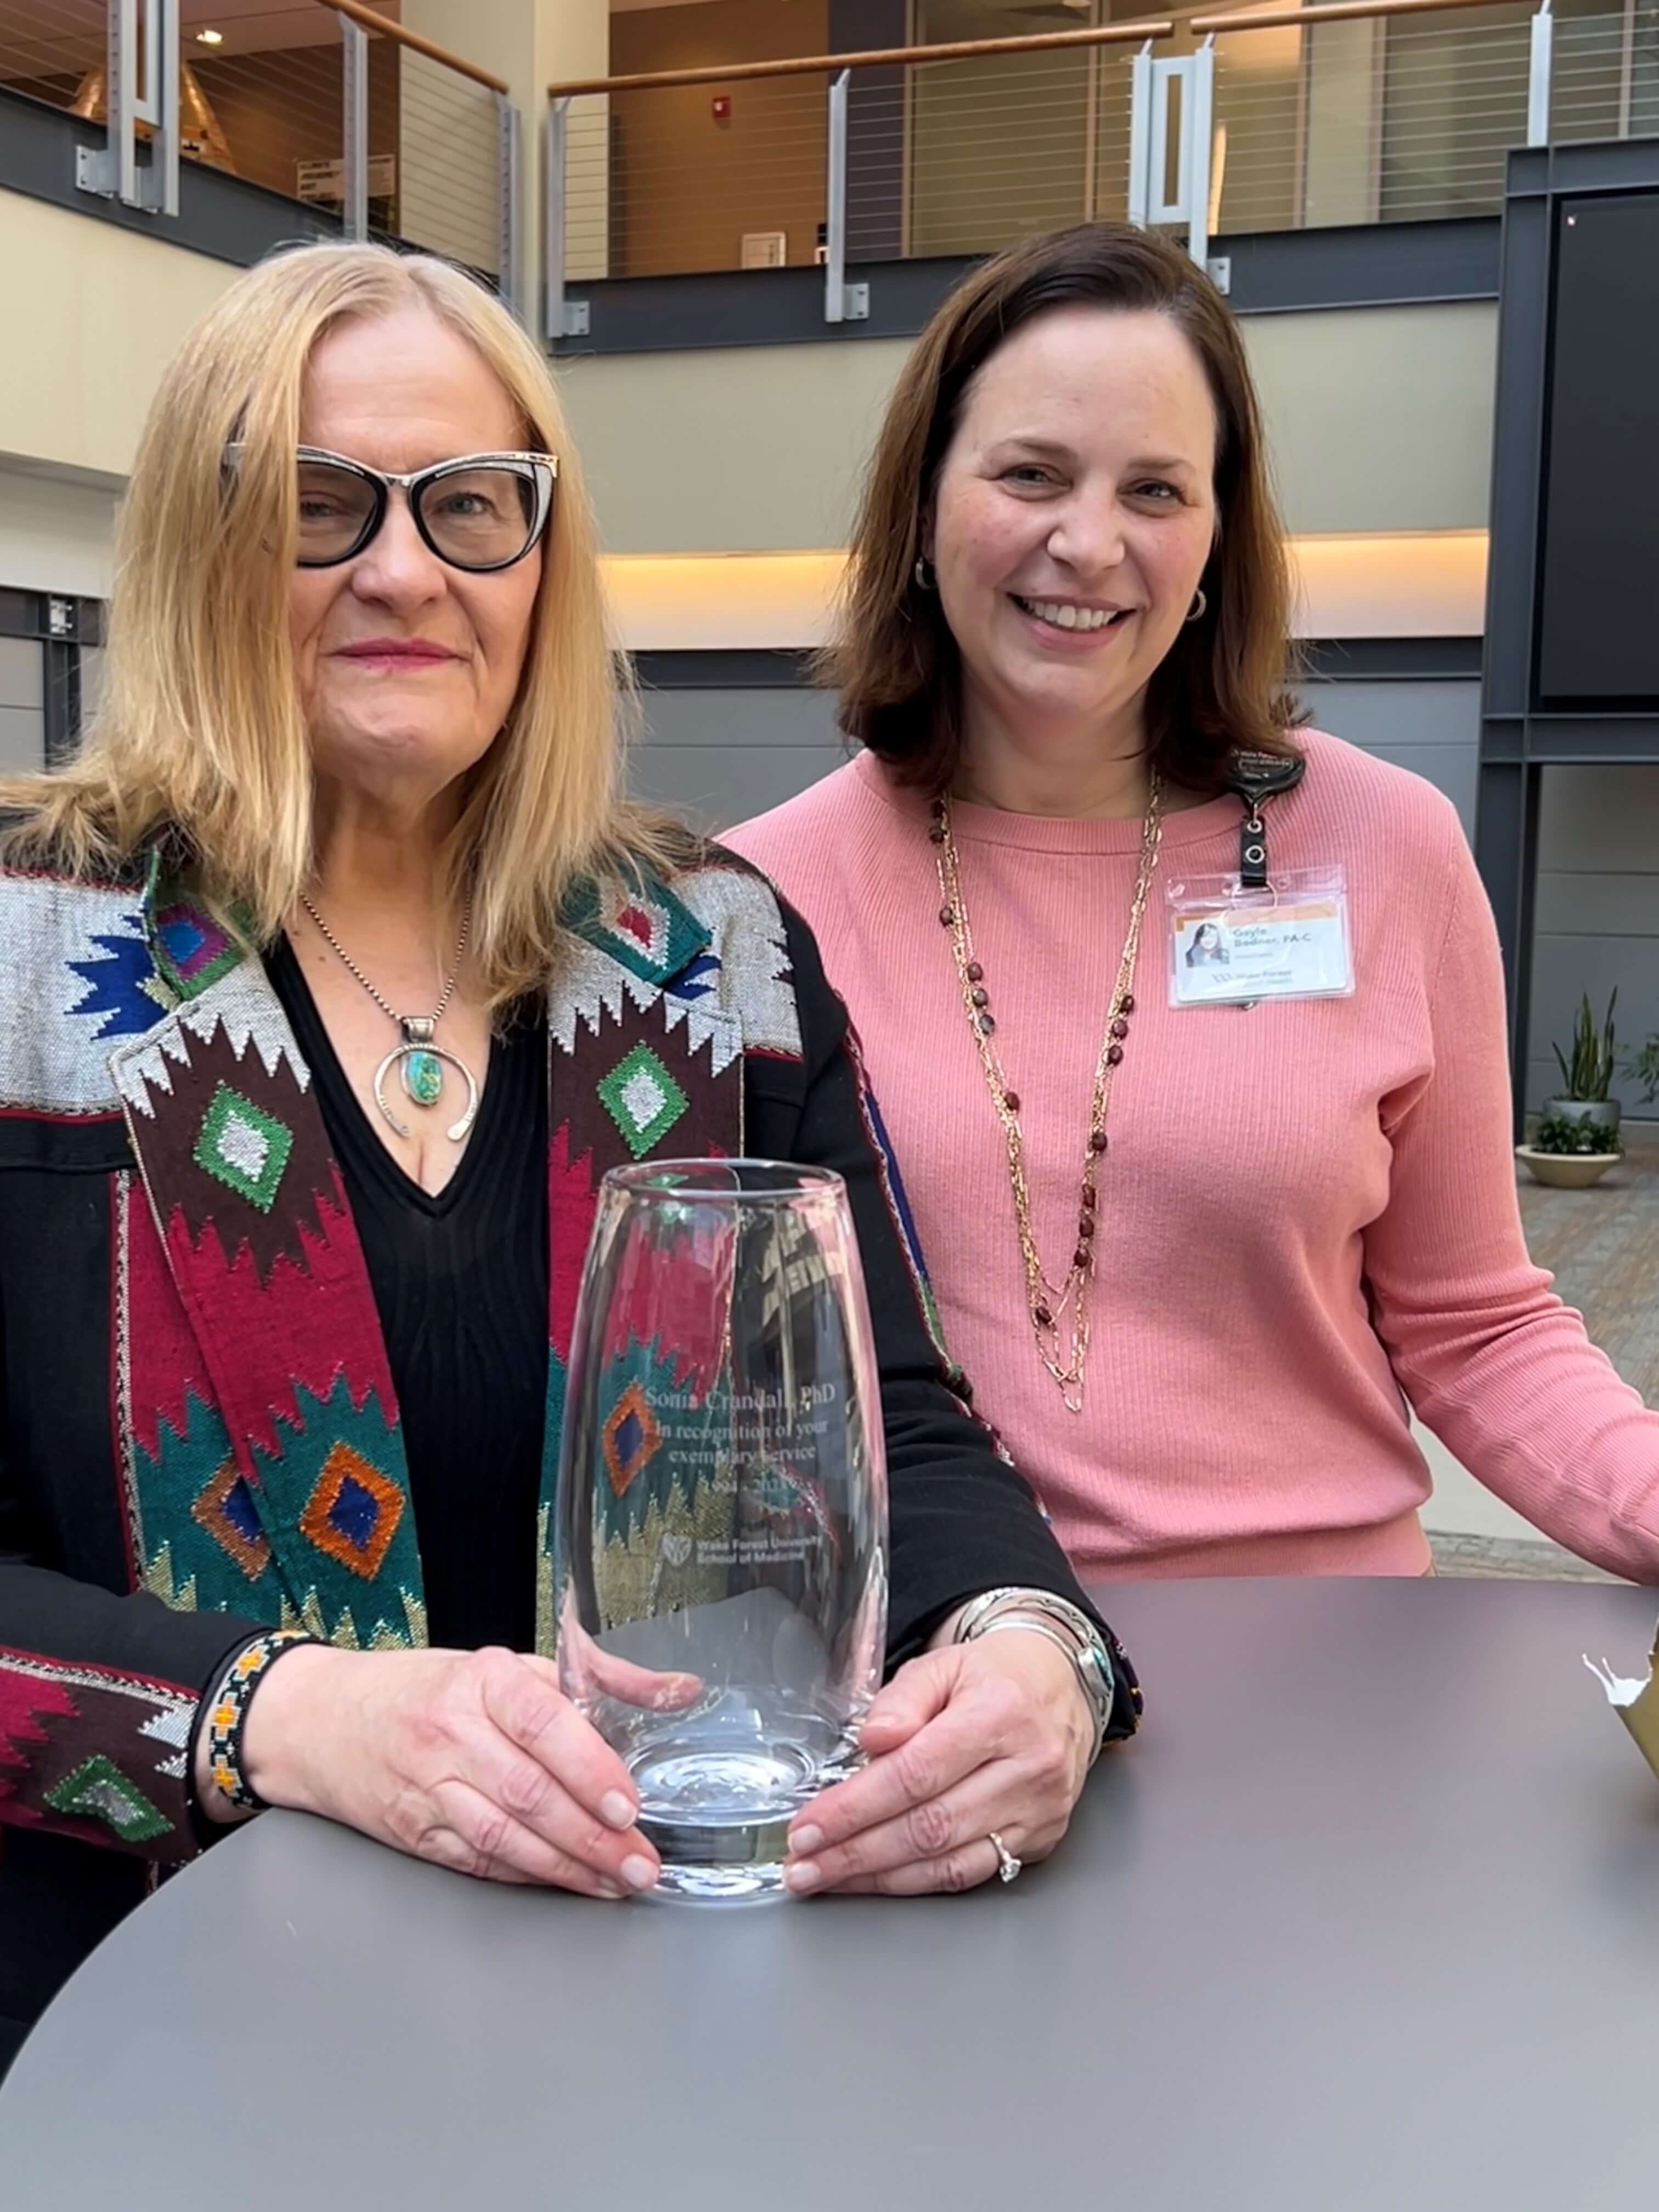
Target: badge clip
(1256,776)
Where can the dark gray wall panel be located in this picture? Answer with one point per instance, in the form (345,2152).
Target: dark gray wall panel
(723,756)
(1598,912)
(22,727)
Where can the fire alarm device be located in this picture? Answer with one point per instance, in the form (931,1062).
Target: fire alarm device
(720,108)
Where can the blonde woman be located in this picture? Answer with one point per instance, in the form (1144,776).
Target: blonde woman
(288,957)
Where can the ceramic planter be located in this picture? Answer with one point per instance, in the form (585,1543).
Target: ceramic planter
(1603,1113)
(1567,1171)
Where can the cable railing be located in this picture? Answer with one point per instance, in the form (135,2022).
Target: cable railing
(1260,119)
(57,53)
(1604,82)
(1224,124)
(326,102)
(836,160)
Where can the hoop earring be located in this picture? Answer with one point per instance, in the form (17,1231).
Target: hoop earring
(924,580)
(1200,603)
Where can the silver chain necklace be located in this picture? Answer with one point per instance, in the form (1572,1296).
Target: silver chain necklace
(419,1061)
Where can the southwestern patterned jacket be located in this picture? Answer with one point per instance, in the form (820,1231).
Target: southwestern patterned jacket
(200,1436)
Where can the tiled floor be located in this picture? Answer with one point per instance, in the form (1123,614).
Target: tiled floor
(1602,1246)
(1511,1560)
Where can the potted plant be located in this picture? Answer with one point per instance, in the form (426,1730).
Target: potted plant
(1587,1078)
(1643,1068)
(1569,1152)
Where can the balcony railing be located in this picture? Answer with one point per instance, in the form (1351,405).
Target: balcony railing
(323,101)
(1259,119)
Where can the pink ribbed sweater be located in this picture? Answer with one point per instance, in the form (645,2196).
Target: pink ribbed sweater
(1307,1212)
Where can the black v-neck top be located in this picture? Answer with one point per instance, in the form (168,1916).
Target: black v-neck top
(461,1283)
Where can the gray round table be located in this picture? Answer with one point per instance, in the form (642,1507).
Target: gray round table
(1368,1919)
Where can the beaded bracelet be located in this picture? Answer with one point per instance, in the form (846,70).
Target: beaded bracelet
(228,1715)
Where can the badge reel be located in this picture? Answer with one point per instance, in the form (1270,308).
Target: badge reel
(1238,939)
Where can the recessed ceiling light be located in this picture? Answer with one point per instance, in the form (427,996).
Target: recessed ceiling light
(209,37)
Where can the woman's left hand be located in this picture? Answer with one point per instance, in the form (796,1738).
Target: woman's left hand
(994,1734)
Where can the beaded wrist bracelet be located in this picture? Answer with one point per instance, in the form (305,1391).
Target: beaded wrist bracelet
(228,1715)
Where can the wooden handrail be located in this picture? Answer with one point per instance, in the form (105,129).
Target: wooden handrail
(1040,42)
(385,28)
(1330,11)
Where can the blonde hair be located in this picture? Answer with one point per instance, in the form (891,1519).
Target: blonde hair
(200,733)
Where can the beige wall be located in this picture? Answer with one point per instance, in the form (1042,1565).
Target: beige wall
(105,310)
(55,535)
(531,44)
(1379,420)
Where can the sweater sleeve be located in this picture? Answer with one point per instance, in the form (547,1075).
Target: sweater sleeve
(99,1699)
(962,1519)
(1492,1361)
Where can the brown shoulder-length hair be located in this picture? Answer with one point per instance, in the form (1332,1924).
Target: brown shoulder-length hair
(893,660)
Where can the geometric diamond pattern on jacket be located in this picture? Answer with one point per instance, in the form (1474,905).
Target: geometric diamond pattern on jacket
(353,1511)
(642,1099)
(98,1790)
(244,1147)
(225,1509)
(193,950)
(631,1439)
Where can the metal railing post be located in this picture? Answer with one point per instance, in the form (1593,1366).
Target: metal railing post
(132,97)
(164,96)
(121,102)
(835,204)
(565,318)
(558,120)
(1539,75)
(508,172)
(354,77)
(842,303)
(1140,134)
(1197,112)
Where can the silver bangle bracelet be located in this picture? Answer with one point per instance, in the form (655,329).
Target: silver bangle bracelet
(1066,1627)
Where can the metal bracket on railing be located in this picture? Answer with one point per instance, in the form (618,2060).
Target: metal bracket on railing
(565,318)
(354,76)
(842,303)
(508,173)
(134,95)
(1538,74)
(1151,88)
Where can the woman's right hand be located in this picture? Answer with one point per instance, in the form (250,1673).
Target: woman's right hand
(475,1759)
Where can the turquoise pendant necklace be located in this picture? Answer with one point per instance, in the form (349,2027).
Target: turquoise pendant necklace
(419,1061)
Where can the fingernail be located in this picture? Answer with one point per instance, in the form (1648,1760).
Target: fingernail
(618,1810)
(639,1873)
(610,1888)
(802,1842)
(802,1876)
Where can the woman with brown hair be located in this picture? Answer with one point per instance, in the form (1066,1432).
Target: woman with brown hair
(1197,1229)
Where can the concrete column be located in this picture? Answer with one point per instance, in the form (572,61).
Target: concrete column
(1342,178)
(531,44)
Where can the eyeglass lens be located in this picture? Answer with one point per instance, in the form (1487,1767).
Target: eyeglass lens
(474,518)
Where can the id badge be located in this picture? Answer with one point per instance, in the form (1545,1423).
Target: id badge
(1230,946)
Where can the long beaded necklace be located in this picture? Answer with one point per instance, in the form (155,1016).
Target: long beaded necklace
(1050,1305)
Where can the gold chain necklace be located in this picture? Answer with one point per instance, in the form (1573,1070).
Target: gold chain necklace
(1049,1304)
